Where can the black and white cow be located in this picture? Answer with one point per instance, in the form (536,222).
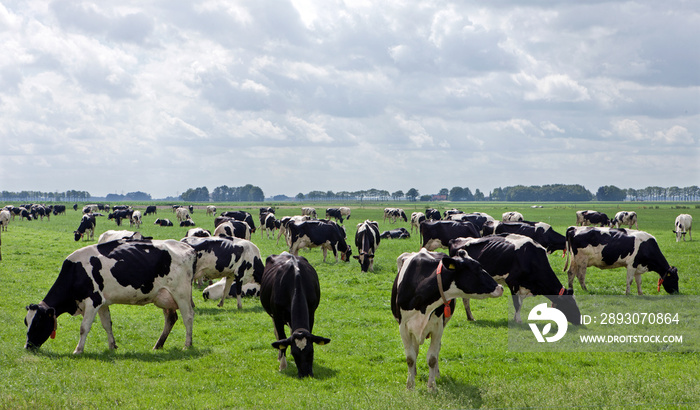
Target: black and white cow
(540,232)
(592,218)
(476,218)
(198,233)
(315,233)
(182,214)
(437,234)
(211,210)
(334,213)
(151,209)
(241,216)
(187,222)
(268,223)
(290,293)
(136,219)
(128,273)
(233,228)
(216,290)
(398,233)
(112,235)
(284,223)
(684,224)
(422,300)
(521,264)
(451,212)
(628,218)
(367,240)
(416,219)
(512,217)
(163,222)
(608,248)
(433,214)
(310,212)
(394,213)
(87,225)
(119,214)
(59,209)
(235,259)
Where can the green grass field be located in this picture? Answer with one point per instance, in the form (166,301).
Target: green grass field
(232,364)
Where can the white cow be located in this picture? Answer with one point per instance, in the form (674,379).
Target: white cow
(4,219)
(683,224)
(135,219)
(625,218)
(512,217)
(211,210)
(182,214)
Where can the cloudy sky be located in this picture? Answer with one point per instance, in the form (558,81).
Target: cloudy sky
(301,95)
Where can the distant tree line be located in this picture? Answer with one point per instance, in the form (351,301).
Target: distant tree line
(38,196)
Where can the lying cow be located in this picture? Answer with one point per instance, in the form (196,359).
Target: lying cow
(684,223)
(290,293)
(315,233)
(215,291)
(608,248)
(628,218)
(87,225)
(522,264)
(238,260)
(437,234)
(163,222)
(367,240)
(398,233)
(128,273)
(422,300)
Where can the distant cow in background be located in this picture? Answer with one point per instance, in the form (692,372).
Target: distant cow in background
(625,218)
(394,213)
(4,219)
(398,233)
(87,225)
(151,209)
(182,214)
(416,219)
(163,222)
(367,240)
(211,210)
(345,211)
(241,216)
(334,213)
(433,214)
(683,225)
(136,219)
(311,212)
(234,229)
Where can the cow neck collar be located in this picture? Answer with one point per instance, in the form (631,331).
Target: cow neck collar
(438,273)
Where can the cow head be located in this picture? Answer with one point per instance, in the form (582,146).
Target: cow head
(41,324)
(470,277)
(77,235)
(301,341)
(566,303)
(670,280)
(365,259)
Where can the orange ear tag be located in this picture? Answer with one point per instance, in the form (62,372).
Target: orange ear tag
(53,334)
(448,311)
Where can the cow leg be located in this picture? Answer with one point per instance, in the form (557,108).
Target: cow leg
(170,319)
(637,277)
(468,309)
(325,252)
(410,346)
(282,355)
(227,289)
(517,304)
(88,317)
(581,274)
(106,319)
(433,353)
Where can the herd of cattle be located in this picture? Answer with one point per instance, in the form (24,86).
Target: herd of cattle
(484,256)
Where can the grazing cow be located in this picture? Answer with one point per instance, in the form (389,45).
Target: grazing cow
(540,232)
(315,233)
(135,219)
(187,222)
(416,219)
(238,260)
(284,223)
(151,209)
(211,210)
(234,229)
(522,264)
(128,273)
(182,214)
(512,217)
(4,219)
(266,210)
(422,300)
(24,214)
(625,218)
(59,209)
(684,223)
(268,224)
(87,224)
(398,233)
(120,214)
(345,211)
(112,235)
(592,218)
(367,240)
(216,290)
(394,213)
(432,214)
(290,294)
(241,216)
(198,233)
(437,234)
(75,207)
(90,208)
(476,218)
(334,213)
(311,212)
(163,222)
(608,248)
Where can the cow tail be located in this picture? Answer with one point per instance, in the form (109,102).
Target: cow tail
(567,250)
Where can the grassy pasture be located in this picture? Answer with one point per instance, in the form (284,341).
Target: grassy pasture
(233,365)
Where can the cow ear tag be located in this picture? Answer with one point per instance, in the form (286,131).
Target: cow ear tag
(451,266)
(448,311)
